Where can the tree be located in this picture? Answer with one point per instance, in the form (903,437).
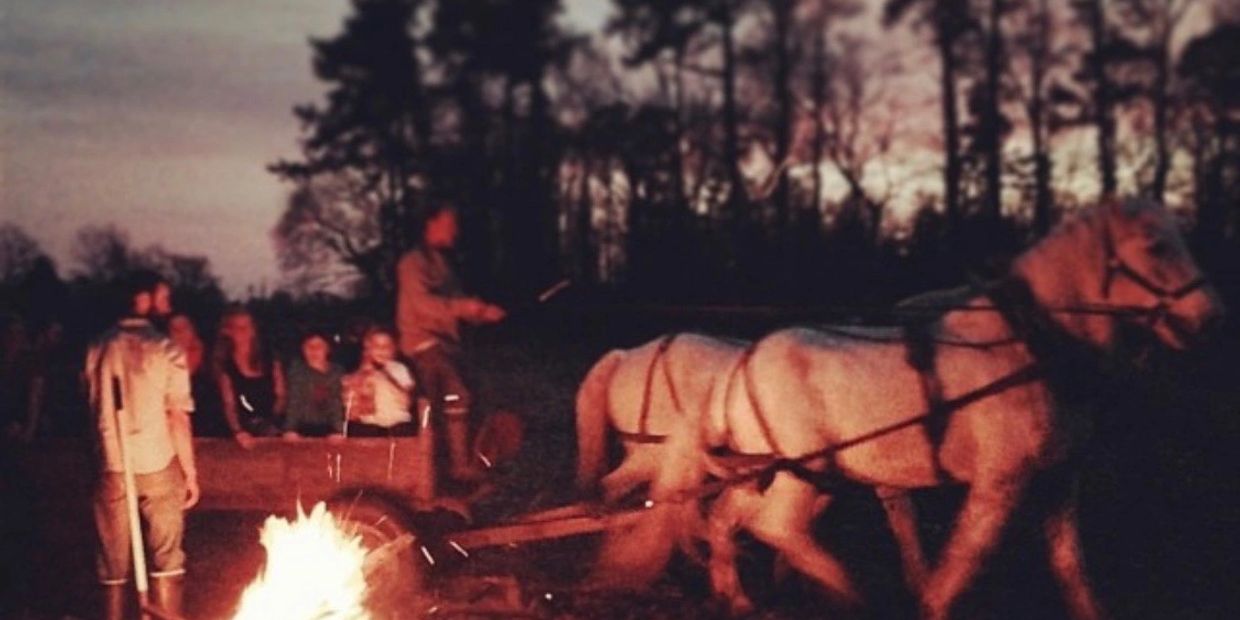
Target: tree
(950,21)
(496,58)
(858,132)
(1212,85)
(1035,56)
(688,29)
(376,124)
(18,253)
(102,253)
(328,237)
(1156,21)
(993,126)
(1102,96)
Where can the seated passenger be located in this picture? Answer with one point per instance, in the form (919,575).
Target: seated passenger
(315,405)
(251,382)
(379,395)
(208,419)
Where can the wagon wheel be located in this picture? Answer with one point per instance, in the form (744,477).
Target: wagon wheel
(394,570)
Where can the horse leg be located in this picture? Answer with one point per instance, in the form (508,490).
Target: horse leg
(783,522)
(781,568)
(1064,544)
(635,470)
(725,518)
(902,518)
(977,531)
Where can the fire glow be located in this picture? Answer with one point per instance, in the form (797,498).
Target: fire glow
(314,570)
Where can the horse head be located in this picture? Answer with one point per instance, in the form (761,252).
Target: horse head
(1125,260)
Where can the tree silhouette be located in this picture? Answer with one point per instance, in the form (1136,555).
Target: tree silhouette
(950,21)
(375,126)
(18,253)
(328,236)
(102,253)
(1212,78)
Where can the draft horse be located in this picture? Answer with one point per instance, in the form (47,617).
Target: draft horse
(654,398)
(847,402)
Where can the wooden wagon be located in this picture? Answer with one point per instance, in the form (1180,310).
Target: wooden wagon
(377,486)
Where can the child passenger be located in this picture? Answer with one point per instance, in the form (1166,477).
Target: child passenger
(379,395)
(315,405)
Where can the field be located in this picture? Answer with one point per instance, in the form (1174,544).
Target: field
(1159,507)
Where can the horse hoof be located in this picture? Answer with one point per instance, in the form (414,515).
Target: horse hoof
(740,605)
(933,611)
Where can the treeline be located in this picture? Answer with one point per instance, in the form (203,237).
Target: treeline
(752,148)
(83,298)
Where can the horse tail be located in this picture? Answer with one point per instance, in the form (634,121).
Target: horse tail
(592,411)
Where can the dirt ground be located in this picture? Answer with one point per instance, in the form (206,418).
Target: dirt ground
(1160,511)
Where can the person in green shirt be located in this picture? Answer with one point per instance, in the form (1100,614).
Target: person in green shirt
(315,406)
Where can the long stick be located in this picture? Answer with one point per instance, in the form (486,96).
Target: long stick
(137,549)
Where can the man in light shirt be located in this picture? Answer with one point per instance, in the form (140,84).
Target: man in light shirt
(135,372)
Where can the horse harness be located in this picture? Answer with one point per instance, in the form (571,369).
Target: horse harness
(1008,295)
(659,359)
(1116,266)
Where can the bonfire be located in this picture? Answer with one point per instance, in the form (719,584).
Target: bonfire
(315,570)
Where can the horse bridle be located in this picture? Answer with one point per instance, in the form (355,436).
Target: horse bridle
(1166,297)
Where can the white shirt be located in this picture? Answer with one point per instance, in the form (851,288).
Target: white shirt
(391,388)
(153,379)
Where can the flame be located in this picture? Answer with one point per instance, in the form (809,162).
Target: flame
(314,571)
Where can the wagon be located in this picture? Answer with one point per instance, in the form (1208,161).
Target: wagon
(373,485)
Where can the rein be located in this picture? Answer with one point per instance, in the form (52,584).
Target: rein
(798,465)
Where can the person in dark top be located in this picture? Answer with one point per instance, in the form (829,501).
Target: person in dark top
(315,405)
(208,418)
(251,383)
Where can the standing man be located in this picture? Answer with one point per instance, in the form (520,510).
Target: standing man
(139,379)
(430,305)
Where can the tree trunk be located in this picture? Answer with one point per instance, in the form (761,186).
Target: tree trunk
(731,131)
(1103,113)
(682,207)
(781,10)
(945,40)
(587,259)
(1039,56)
(1162,103)
(992,145)
(819,87)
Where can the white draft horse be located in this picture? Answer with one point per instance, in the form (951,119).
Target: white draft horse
(653,397)
(658,398)
(848,402)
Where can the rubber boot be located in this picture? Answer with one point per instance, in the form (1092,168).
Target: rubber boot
(112,599)
(166,595)
(463,466)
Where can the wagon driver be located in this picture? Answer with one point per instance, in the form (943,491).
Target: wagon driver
(430,306)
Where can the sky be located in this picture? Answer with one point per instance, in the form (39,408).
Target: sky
(160,117)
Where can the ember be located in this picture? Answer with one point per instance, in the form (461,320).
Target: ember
(314,570)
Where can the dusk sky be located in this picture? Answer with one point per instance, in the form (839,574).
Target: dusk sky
(160,117)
